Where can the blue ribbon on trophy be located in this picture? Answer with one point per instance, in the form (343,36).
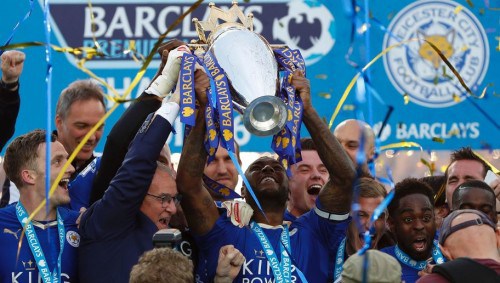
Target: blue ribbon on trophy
(219,189)
(289,59)
(212,134)
(212,125)
(287,142)
(224,102)
(187,99)
(187,107)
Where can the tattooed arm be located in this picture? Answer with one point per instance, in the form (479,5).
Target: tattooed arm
(197,204)
(336,195)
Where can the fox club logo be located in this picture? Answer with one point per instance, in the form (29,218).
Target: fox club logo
(73,238)
(417,70)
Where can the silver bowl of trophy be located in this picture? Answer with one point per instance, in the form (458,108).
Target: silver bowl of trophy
(252,71)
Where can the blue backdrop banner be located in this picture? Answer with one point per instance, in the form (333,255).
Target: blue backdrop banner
(336,39)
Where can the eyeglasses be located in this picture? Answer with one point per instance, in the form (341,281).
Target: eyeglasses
(166,199)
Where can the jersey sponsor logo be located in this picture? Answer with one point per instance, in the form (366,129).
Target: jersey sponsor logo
(258,269)
(417,70)
(73,238)
(33,277)
(120,27)
(92,167)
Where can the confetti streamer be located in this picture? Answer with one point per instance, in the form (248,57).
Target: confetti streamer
(115,106)
(14,30)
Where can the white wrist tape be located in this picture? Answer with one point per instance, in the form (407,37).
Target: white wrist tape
(169,111)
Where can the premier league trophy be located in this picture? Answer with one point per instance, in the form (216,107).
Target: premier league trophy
(249,75)
(249,64)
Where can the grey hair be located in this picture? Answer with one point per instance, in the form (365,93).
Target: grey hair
(80,90)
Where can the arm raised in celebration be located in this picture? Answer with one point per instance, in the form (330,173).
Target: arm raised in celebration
(197,204)
(336,195)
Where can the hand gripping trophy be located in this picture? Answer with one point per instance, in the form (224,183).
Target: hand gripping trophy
(248,75)
(249,64)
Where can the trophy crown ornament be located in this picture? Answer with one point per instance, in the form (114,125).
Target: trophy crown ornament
(249,63)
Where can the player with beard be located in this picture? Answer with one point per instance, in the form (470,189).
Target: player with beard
(312,242)
(308,177)
(47,250)
(411,218)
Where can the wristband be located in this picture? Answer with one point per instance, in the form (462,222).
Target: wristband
(8,86)
(330,216)
(169,111)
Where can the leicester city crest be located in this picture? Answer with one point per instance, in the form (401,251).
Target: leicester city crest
(416,69)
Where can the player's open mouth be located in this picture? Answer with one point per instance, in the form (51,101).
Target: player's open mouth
(64,183)
(268,179)
(314,189)
(163,221)
(420,244)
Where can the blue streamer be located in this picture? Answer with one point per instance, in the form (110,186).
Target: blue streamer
(247,184)
(14,30)
(366,75)
(48,80)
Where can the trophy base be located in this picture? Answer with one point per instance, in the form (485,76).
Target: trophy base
(265,116)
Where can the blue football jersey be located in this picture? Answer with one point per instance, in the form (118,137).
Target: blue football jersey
(81,187)
(313,242)
(23,268)
(409,274)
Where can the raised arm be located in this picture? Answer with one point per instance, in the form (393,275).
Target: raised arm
(118,141)
(117,210)
(336,195)
(12,66)
(124,131)
(197,204)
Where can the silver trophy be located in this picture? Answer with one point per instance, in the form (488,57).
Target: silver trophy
(250,66)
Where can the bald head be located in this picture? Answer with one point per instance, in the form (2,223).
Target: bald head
(349,133)
(474,241)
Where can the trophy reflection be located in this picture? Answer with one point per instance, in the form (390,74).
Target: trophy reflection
(250,66)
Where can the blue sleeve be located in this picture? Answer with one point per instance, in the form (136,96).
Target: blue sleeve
(80,187)
(118,141)
(324,238)
(117,211)
(209,244)
(223,228)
